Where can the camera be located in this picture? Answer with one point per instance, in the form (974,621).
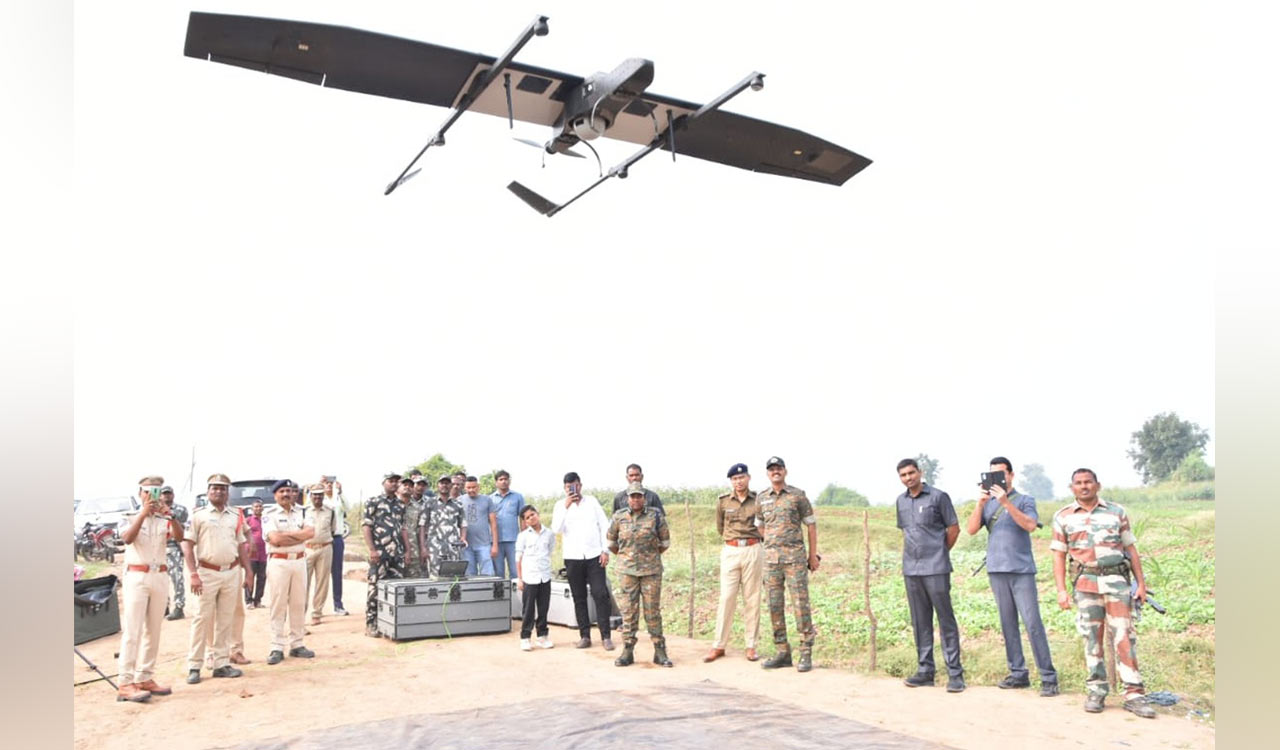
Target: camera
(993,478)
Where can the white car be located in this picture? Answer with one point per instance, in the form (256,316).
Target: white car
(108,511)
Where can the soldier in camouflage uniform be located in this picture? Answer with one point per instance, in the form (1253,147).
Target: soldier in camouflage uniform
(638,535)
(383,528)
(782,512)
(1097,536)
(441,528)
(173,556)
(415,562)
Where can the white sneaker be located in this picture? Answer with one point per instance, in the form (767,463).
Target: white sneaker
(525,645)
(545,642)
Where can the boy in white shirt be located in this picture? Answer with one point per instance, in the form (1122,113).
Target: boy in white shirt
(533,573)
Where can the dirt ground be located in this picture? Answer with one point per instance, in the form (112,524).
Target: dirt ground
(355,678)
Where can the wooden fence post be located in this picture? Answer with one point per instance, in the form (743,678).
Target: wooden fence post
(866,583)
(693,567)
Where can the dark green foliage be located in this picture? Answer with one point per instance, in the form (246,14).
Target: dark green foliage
(834,494)
(1161,445)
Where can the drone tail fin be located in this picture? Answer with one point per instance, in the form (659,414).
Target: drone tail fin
(535,201)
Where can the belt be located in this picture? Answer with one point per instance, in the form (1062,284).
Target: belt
(1105,570)
(319,545)
(286,555)
(742,542)
(148,568)
(211,566)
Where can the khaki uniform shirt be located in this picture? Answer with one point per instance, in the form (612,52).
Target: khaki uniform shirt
(324,521)
(737,519)
(640,538)
(276,519)
(781,516)
(217,536)
(148,547)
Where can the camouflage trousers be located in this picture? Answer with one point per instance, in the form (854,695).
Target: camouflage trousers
(173,558)
(414,566)
(387,568)
(1094,612)
(794,576)
(636,589)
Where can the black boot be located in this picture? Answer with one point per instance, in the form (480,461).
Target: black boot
(627,657)
(660,655)
(780,659)
(176,614)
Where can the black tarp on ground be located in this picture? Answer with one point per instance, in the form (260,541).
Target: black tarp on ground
(704,714)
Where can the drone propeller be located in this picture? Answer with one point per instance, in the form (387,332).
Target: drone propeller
(535,144)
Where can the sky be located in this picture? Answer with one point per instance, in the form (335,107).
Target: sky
(1026,268)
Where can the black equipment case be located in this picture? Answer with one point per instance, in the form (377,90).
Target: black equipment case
(97,609)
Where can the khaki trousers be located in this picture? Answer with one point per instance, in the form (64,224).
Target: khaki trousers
(319,569)
(144,597)
(287,585)
(741,569)
(235,642)
(211,628)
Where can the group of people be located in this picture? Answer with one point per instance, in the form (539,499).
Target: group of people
(770,538)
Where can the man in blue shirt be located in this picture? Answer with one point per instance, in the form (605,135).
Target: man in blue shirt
(1010,517)
(482,529)
(929,531)
(506,506)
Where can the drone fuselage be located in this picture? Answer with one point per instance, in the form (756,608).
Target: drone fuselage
(592,107)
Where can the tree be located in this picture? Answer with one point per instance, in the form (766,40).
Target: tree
(929,467)
(438,466)
(834,494)
(1035,482)
(1193,469)
(1162,443)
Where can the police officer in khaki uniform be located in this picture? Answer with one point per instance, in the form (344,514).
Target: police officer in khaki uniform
(287,532)
(324,519)
(215,552)
(144,593)
(741,564)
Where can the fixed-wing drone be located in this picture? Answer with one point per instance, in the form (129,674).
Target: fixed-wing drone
(579,110)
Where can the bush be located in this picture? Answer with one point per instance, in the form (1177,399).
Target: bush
(1193,469)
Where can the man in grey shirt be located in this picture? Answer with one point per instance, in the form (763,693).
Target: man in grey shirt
(635,475)
(482,529)
(929,531)
(1010,517)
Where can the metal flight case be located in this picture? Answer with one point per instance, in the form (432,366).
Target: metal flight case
(443,608)
(561,611)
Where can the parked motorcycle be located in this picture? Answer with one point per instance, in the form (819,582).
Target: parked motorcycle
(97,542)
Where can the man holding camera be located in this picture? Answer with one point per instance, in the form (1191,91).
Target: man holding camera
(1097,536)
(383,529)
(173,553)
(583,527)
(783,511)
(214,548)
(1010,517)
(929,531)
(144,593)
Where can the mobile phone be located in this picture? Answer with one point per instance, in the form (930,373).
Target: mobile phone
(330,477)
(992,478)
(154,493)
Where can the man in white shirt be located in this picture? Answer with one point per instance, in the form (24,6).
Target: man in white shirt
(533,576)
(582,526)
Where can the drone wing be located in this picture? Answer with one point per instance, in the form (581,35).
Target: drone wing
(370,63)
(738,141)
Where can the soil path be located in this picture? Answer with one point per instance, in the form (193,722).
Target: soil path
(355,678)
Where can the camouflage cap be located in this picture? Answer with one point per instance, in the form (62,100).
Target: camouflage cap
(391,475)
(635,488)
(219,479)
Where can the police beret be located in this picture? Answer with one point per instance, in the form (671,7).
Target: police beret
(282,484)
(775,461)
(737,469)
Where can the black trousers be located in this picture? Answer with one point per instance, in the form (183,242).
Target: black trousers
(259,582)
(538,594)
(581,574)
(926,595)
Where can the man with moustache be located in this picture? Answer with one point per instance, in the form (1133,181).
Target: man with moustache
(459,481)
(287,531)
(741,566)
(582,526)
(383,529)
(783,511)
(482,530)
(929,531)
(144,593)
(635,475)
(442,527)
(415,561)
(217,557)
(319,549)
(507,506)
(639,535)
